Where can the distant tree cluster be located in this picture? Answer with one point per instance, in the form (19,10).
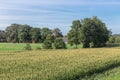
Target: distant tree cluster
(18,33)
(91,32)
(114,38)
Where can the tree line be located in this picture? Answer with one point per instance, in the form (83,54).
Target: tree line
(91,32)
(17,33)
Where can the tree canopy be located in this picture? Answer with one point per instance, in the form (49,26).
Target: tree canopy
(24,34)
(74,33)
(91,32)
(36,35)
(12,33)
(44,32)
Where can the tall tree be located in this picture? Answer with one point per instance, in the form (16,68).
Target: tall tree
(12,32)
(36,35)
(74,33)
(94,32)
(24,34)
(44,32)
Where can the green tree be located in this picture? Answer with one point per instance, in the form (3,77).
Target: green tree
(74,33)
(59,43)
(117,39)
(50,37)
(12,33)
(45,32)
(94,31)
(112,39)
(24,34)
(47,44)
(36,35)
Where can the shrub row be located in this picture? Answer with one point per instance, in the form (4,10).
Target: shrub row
(47,44)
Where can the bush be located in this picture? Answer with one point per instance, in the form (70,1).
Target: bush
(28,47)
(47,44)
(38,48)
(117,39)
(112,39)
(59,44)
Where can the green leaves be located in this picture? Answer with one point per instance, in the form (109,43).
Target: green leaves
(47,44)
(24,34)
(74,33)
(12,33)
(35,35)
(59,44)
(90,30)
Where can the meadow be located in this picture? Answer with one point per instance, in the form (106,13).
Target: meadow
(21,46)
(69,64)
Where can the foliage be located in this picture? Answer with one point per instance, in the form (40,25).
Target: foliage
(117,39)
(12,33)
(38,48)
(74,33)
(50,37)
(112,39)
(28,47)
(47,44)
(93,31)
(59,44)
(44,32)
(24,34)
(36,35)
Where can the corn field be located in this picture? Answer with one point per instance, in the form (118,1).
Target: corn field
(57,64)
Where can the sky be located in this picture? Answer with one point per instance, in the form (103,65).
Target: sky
(59,13)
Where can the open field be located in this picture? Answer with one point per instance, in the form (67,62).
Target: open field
(60,64)
(21,46)
(16,46)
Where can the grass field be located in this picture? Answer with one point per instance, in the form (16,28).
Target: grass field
(71,64)
(112,74)
(16,46)
(21,46)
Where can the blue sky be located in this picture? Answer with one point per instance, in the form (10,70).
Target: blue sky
(59,13)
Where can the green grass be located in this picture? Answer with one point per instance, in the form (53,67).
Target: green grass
(21,46)
(112,74)
(58,64)
(16,46)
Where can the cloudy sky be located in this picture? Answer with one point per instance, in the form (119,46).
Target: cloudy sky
(59,13)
